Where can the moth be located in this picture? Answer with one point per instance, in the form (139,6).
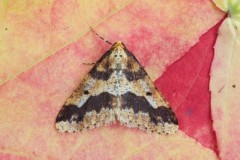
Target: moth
(117,88)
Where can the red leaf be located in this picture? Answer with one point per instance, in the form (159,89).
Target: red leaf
(185,84)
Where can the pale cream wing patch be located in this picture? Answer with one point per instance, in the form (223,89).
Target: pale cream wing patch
(83,91)
(147,89)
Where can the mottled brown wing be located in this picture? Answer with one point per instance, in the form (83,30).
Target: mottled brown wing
(144,106)
(90,105)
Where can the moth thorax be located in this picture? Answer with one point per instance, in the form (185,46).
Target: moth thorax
(118,58)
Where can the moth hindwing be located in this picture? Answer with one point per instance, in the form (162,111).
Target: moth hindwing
(117,88)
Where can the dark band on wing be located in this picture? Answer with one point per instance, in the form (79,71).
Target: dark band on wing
(133,76)
(139,103)
(130,73)
(102,75)
(74,113)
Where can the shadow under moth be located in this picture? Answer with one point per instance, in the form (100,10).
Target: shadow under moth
(117,88)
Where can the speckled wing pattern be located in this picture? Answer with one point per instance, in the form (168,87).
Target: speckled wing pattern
(117,88)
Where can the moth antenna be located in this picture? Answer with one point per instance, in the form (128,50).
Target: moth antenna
(100,36)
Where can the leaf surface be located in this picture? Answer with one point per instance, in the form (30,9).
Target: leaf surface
(186,86)
(29,111)
(30,102)
(225,82)
(224,90)
(32,31)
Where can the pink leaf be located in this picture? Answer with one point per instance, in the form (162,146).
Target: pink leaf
(29,103)
(11,156)
(225,92)
(33,31)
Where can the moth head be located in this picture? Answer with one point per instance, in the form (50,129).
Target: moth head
(118,56)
